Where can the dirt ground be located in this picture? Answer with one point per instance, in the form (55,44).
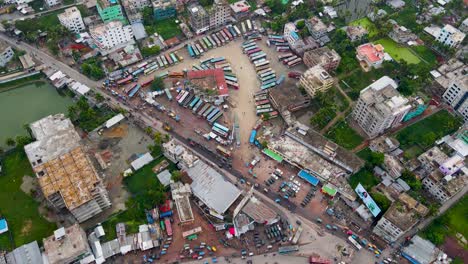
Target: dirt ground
(453,249)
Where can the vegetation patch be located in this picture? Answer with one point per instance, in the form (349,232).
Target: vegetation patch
(20,209)
(344,135)
(398,52)
(365,177)
(426,54)
(367,24)
(86,117)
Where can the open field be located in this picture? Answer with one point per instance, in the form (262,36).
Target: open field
(426,54)
(367,24)
(167,28)
(21,211)
(397,52)
(343,135)
(437,125)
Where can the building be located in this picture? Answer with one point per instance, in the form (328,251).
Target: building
(110,10)
(198,18)
(290,34)
(240,10)
(133,9)
(402,35)
(25,254)
(370,56)
(296,43)
(66,175)
(68,245)
(316,79)
(356,33)
(396,4)
(71,19)
(380,106)
(112,34)
(393,166)
(431,160)
(422,251)
(220,14)
(456,95)
(163,9)
(52,3)
(402,215)
(6,53)
(318,30)
(450,36)
(328,59)
(288,99)
(464,25)
(208,185)
(181,195)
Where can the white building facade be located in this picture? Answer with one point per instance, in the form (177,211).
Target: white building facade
(111,34)
(6,54)
(51,3)
(456,95)
(450,36)
(72,20)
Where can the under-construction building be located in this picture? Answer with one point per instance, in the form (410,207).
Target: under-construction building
(66,176)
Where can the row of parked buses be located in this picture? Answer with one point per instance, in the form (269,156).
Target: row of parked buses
(200,107)
(217,39)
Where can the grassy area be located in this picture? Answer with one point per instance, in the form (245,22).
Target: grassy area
(145,190)
(367,24)
(167,28)
(426,54)
(19,208)
(435,126)
(398,52)
(454,221)
(68,2)
(359,80)
(365,154)
(344,135)
(9,85)
(365,177)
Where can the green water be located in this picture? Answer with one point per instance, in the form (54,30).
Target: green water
(28,103)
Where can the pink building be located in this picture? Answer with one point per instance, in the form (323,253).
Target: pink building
(370,56)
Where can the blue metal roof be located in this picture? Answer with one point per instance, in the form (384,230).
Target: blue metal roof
(309,178)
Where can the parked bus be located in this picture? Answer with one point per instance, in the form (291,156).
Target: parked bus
(243,27)
(261,68)
(266,110)
(195,50)
(168,94)
(169,59)
(237,30)
(228,34)
(207,112)
(286,60)
(203,109)
(142,65)
(259,61)
(252,51)
(265,70)
(203,45)
(230,78)
(219,131)
(216,117)
(256,54)
(218,59)
(262,64)
(163,58)
(223,34)
(134,90)
(258,107)
(199,48)
(197,106)
(226,153)
(180,94)
(211,39)
(160,62)
(218,43)
(257,57)
(214,112)
(151,69)
(138,72)
(234,85)
(268,85)
(196,67)
(126,80)
(232,31)
(208,42)
(167,222)
(249,25)
(187,100)
(268,77)
(220,37)
(284,56)
(183,97)
(294,62)
(163,75)
(174,58)
(262,102)
(144,84)
(354,242)
(248,45)
(218,125)
(176,75)
(194,101)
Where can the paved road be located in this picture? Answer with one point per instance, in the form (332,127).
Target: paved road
(280,259)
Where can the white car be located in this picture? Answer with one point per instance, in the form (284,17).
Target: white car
(291,178)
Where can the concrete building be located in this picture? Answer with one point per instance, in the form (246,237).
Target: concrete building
(422,251)
(112,34)
(316,79)
(380,106)
(296,43)
(71,19)
(133,9)
(110,10)
(52,3)
(356,33)
(179,155)
(450,36)
(328,59)
(25,254)
(370,56)
(402,215)
(318,30)
(163,9)
(442,187)
(464,25)
(198,18)
(240,10)
(220,14)
(402,35)
(66,175)
(68,245)
(6,53)
(456,95)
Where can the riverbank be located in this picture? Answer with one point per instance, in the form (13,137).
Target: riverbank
(6,86)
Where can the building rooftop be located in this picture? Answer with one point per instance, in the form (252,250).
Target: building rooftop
(258,211)
(162,4)
(106,3)
(321,56)
(317,24)
(420,250)
(69,246)
(240,6)
(356,31)
(457,35)
(25,254)
(142,161)
(405,212)
(434,156)
(373,53)
(288,97)
(164,177)
(102,29)
(197,10)
(211,187)
(69,12)
(181,195)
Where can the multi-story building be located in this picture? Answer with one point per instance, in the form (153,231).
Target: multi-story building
(65,174)
(290,34)
(356,33)
(51,3)
(456,95)
(109,35)
(133,9)
(328,59)
(163,9)
(316,79)
(318,30)
(380,106)
(198,18)
(110,10)
(402,215)
(240,9)
(370,56)
(296,43)
(402,35)
(6,53)
(450,36)
(68,245)
(71,19)
(220,14)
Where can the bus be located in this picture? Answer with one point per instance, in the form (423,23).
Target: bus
(237,30)
(182,97)
(134,90)
(196,67)
(138,72)
(249,44)
(168,94)
(227,69)
(208,42)
(265,74)
(203,45)
(151,69)
(265,110)
(294,62)
(249,52)
(169,59)
(228,34)
(144,84)
(259,61)
(214,112)
(224,35)
(200,102)
(194,101)
(249,25)
(207,112)
(234,85)
(285,61)
(160,63)
(216,117)
(284,56)
(354,242)
(142,65)
(218,125)
(199,48)
(163,58)
(180,58)
(232,31)
(243,27)
(219,131)
(218,59)
(226,153)
(203,109)
(220,38)
(263,106)
(174,58)
(257,57)
(218,43)
(268,85)
(251,55)
(230,78)
(176,75)
(195,50)
(262,102)
(126,80)
(181,93)
(265,70)
(263,63)
(187,100)
(163,74)
(261,68)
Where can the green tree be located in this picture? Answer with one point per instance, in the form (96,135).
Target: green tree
(10,142)
(411,180)
(376,158)
(99,97)
(428,139)
(381,200)
(158,84)
(276,6)
(147,51)
(176,175)
(21,141)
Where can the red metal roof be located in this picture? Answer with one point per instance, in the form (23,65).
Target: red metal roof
(218,75)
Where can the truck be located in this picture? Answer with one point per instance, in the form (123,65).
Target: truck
(167,223)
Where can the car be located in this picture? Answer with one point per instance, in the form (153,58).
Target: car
(265,190)
(298,222)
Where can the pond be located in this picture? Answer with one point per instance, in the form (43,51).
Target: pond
(27,103)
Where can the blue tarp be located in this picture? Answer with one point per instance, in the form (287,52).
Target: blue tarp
(309,178)
(252,136)
(3,226)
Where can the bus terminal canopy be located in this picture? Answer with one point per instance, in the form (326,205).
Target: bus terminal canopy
(308,177)
(273,155)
